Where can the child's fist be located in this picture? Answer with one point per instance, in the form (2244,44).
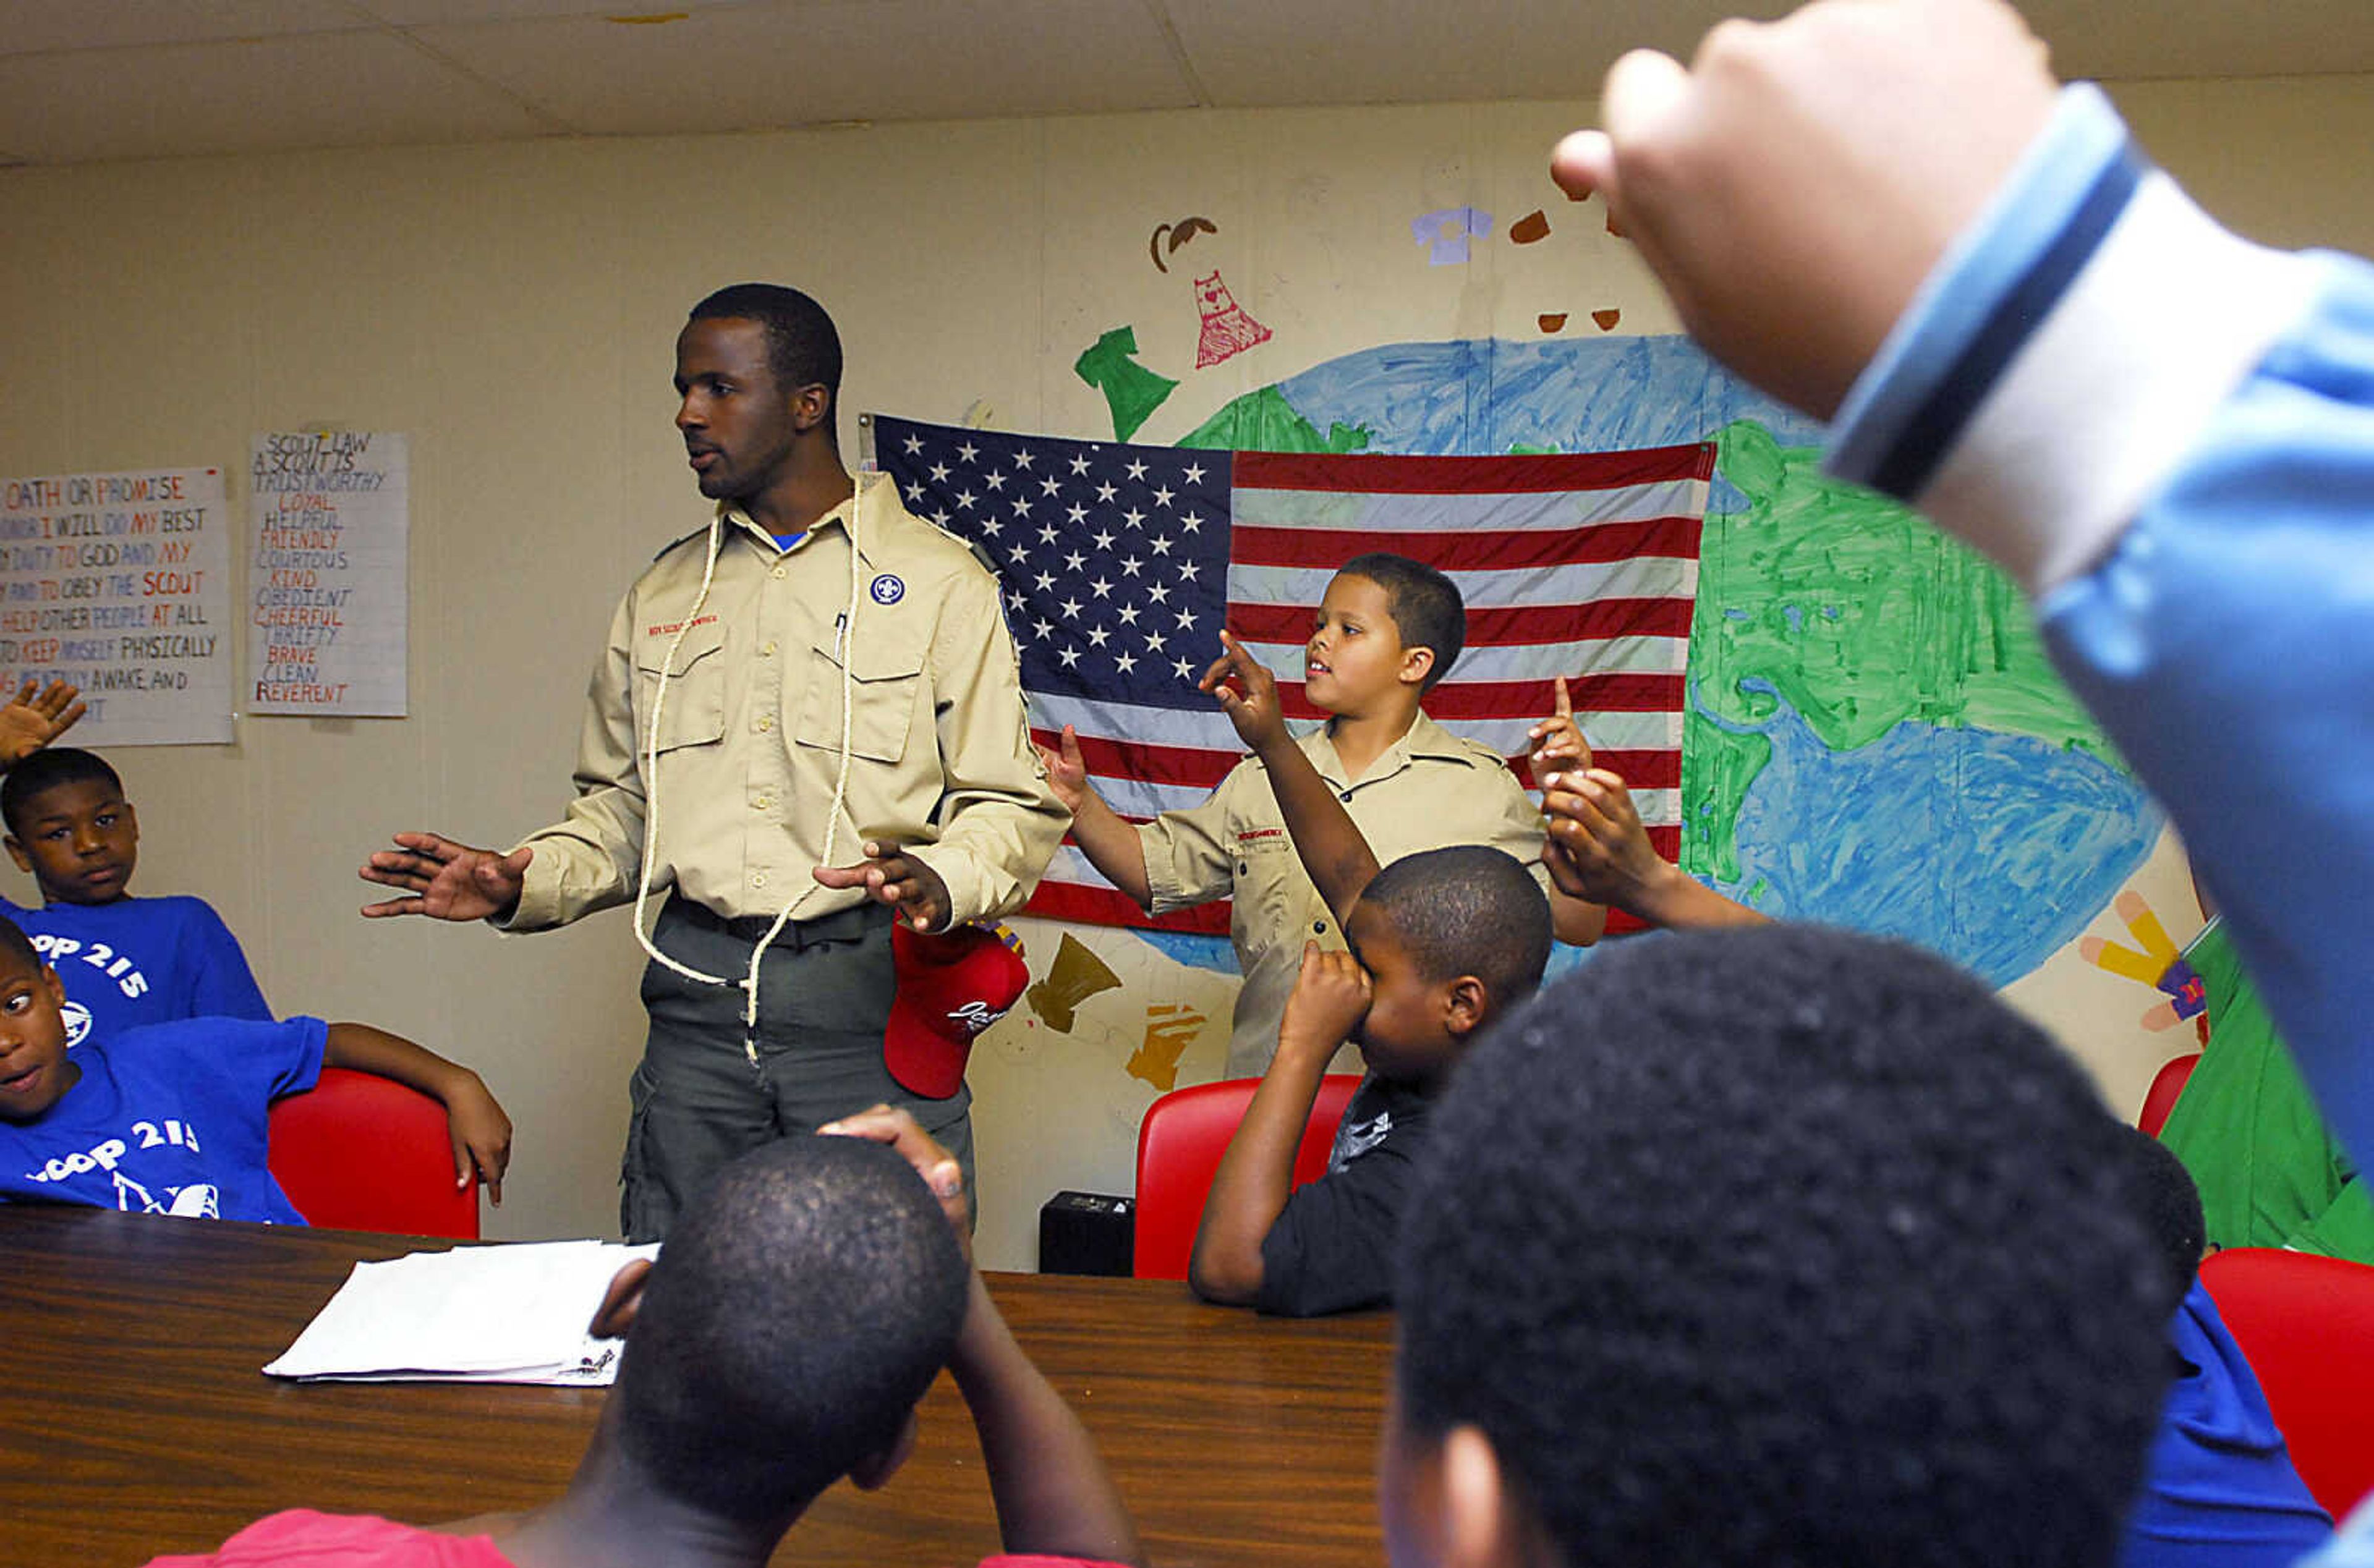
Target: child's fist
(1330,995)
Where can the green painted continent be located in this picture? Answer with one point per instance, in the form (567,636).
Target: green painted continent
(1858,614)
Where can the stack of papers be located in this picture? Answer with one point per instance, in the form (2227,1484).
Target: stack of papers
(512,1314)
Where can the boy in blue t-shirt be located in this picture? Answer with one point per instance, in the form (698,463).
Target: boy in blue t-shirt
(170,1119)
(123,961)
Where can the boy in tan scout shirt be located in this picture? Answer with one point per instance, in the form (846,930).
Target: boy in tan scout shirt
(1387,630)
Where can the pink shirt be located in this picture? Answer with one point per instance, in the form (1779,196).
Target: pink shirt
(303,1539)
(342,1540)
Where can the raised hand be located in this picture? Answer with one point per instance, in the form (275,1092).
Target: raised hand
(1603,852)
(446,881)
(33,719)
(1599,851)
(1068,771)
(1557,742)
(894,877)
(1247,694)
(886,1124)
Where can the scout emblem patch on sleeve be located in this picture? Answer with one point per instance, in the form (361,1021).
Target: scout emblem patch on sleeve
(888,590)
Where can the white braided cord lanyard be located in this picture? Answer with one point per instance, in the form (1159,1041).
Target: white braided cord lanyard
(748,984)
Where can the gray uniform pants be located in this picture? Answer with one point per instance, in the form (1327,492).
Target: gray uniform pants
(698,1102)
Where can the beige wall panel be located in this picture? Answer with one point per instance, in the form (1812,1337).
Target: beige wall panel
(2281,160)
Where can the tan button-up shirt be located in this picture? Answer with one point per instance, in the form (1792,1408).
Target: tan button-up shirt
(1428,791)
(750,729)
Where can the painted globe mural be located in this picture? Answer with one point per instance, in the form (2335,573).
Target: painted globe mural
(1874,737)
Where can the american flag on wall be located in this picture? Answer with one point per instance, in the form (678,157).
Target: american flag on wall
(1121,564)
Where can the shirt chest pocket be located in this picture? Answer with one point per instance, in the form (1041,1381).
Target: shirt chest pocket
(691,699)
(886,686)
(1268,877)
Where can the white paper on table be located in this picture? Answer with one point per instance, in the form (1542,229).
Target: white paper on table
(504,1314)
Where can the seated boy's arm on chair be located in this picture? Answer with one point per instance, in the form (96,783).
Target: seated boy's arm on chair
(481,1132)
(1256,1175)
(1334,854)
(1054,1496)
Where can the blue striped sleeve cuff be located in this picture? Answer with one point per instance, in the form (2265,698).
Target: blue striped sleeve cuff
(2064,352)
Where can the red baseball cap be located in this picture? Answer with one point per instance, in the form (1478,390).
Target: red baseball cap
(951,986)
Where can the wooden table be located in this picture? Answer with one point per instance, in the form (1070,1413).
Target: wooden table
(134,1422)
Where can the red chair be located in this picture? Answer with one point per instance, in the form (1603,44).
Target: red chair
(1179,1149)
(2307,1323)
(2165,1085)
(362,1153)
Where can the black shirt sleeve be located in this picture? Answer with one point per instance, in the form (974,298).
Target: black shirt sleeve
(1331,1249)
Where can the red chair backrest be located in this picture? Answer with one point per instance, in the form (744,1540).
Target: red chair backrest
(2165,1085)
(2307,1323)
(1179,1149)
(362,1153)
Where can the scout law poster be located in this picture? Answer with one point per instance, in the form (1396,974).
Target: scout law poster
(327,586)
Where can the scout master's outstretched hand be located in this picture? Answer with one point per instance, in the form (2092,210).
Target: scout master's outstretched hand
(446,881)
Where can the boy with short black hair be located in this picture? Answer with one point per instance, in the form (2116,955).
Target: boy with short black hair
(1387,630)
(804,1304)
(1440,943)
(171,1119)
(125,962)
(1427,610)
(1778,1245)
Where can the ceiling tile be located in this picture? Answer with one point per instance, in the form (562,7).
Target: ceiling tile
(789,65)
(420,13)
(27,26)
(81,79)
(1259,52)
(320,90)
(2206,37)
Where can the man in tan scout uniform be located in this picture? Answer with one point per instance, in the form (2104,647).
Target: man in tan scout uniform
(716,761)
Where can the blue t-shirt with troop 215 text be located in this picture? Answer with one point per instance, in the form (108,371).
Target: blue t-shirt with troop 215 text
(169,1119)
(141,961)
